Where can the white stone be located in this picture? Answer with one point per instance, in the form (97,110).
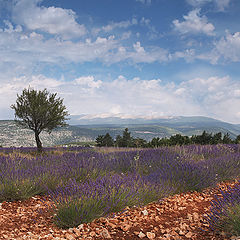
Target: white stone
(145,212)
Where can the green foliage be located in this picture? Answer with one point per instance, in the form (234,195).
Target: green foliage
(39,110)
(139,142)
(237,140)
(227,220)
(104,141)
(126,140)
(217,138)
(203,139)
(227,139)
(178,139)
(20,190)
(231,222)
(75,211)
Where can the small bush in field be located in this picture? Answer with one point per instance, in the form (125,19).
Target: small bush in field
(20,190)
(81,203)
(225,211)
(86,183)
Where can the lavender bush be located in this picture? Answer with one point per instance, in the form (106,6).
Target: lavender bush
(86,183)
(79,203)
(225,211)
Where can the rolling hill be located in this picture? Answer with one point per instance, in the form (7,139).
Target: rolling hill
(82,130)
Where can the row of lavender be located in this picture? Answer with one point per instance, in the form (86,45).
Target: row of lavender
(86,184)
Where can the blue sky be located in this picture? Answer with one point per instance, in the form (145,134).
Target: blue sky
(125,58)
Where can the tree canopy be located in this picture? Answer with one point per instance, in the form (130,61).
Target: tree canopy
(39,110)
(126,140)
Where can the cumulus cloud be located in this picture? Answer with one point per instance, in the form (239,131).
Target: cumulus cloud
(113,25)
(189,55)
(13,86)
(218,96)
(152,32)
(9,27)
(221,5)
(138,54)
(24,50)
(88,81)
(225,49)
(215,96)
(52,20)
(31,48)
(196,3)
(148,2)
(194,24)
(229,47)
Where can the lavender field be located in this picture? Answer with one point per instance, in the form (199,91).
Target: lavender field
(87,183)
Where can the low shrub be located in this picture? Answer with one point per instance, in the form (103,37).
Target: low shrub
(224,213)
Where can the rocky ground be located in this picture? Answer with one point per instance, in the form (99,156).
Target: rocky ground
(176,217)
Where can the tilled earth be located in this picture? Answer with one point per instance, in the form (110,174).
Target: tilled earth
(177,217)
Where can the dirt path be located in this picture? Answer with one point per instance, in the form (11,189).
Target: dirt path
(177,217)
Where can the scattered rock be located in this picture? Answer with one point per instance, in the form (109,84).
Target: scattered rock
(181,233)
(70,236)
(189,235)
(195,216)
(125,227)
(145,212)
(235,238)
(80,227)
(92,234)
(111,225)
(77,231)
(141,235)
(151,235)
(104,233)
(158,220)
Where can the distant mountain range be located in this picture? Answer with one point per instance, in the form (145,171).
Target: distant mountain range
(82,129)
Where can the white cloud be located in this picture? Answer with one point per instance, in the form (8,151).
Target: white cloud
(194,24)
(189,55)
(218,96)
(152,32)
(206,86)
(22,51)
(221,5)
(88,81)
(196,3)
(228,47)
(122,24)
(13,86)
(148,2)
(29,49)
(126,35)
(215,96)
(154,54)
(10,28)
(225,49)
(51,20)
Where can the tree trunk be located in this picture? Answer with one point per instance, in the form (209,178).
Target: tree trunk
(38,141)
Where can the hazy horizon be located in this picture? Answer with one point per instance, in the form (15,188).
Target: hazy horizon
(99,118)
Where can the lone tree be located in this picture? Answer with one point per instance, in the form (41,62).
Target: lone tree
(39,110)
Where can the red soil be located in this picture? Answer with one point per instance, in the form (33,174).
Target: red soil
(176,217)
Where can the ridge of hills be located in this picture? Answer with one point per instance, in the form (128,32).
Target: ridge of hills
(87,130)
